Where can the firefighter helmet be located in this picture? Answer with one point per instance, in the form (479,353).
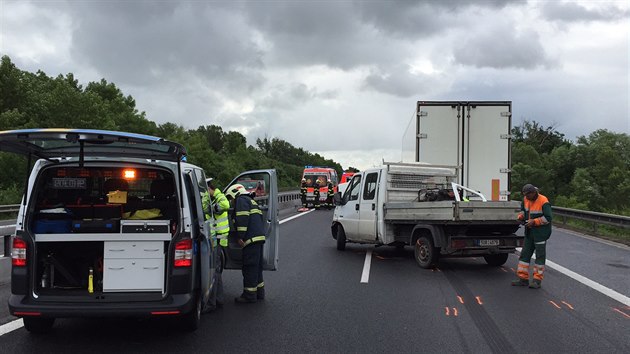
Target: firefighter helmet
(235,190)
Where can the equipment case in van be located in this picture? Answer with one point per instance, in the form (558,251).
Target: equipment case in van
(145,226)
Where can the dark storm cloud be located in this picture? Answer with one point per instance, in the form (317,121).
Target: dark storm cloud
(573,12)
(287,98)
(351,34)
(315,33)
(407,18)
(503,48)
(141,42)
(398,81)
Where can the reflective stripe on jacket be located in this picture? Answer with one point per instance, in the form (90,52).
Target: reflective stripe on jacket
(221,224)
(248,219)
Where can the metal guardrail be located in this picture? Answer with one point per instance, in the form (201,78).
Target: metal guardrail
(13,208)
(591,216)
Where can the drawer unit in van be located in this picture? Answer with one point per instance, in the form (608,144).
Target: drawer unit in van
(145,226)
(133,266)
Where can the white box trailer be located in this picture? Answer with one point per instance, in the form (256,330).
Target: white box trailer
(474,136)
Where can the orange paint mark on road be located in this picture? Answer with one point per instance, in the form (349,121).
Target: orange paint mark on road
(621,312)
(503,269)
(479,300)
(455,311)
(460,299)
(554,304)
(448,311)
(379,257)
(568,305)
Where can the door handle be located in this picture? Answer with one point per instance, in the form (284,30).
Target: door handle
(373,206)
(356,207)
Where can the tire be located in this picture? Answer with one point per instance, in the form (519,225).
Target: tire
(38,325)
(341,238)
(425,253)
(192,319)
(496,260)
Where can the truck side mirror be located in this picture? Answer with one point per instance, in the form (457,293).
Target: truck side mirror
(337,199)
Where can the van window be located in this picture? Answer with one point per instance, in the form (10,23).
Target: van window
(99,192)
(355,188)
(369,191)
(311,180)
(201,180)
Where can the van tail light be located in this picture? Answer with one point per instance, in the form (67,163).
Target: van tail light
(18,254)
(183,253)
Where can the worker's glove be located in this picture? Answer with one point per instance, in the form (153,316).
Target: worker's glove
(521,217)
(531,223)
(216,209)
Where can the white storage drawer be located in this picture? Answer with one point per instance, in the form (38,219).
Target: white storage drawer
(134,249)
(133,275)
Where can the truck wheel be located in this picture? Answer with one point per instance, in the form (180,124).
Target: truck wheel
(192,319)
(426,255)
(496,260)
(341,238)
(38,325)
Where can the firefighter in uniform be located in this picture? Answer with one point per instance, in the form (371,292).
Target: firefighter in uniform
(215,206)
(303,190)
(248,219)
(330,195)
(318,183)
(536,215)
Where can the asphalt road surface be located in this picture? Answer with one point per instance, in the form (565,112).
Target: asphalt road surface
(368,299)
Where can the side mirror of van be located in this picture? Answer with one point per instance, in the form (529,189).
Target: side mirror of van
(338,200)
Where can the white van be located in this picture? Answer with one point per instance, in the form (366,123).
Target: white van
(111,225)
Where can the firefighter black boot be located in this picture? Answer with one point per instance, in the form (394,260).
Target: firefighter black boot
(260,293)
(246,298)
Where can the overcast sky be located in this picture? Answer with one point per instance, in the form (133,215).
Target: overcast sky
(340,78)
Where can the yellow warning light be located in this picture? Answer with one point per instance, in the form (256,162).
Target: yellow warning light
(129,174)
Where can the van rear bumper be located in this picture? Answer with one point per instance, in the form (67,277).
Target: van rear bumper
(22,306)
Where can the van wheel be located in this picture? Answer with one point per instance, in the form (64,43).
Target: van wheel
(192,319)
(426,255)
(341,238)
(38,325)
(496,260)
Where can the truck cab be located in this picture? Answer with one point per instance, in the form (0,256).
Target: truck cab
(111,225)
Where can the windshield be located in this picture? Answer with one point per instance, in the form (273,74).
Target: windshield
(311,179)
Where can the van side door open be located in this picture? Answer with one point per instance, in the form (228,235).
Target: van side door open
(268,203)
(199,231)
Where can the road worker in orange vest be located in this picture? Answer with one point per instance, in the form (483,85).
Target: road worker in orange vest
(536,216)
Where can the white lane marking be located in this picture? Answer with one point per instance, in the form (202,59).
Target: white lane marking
(586,281)
(366,267)
(295,216)
(19,323)
(11,326)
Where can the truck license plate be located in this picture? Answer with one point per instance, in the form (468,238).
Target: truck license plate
(489,243)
